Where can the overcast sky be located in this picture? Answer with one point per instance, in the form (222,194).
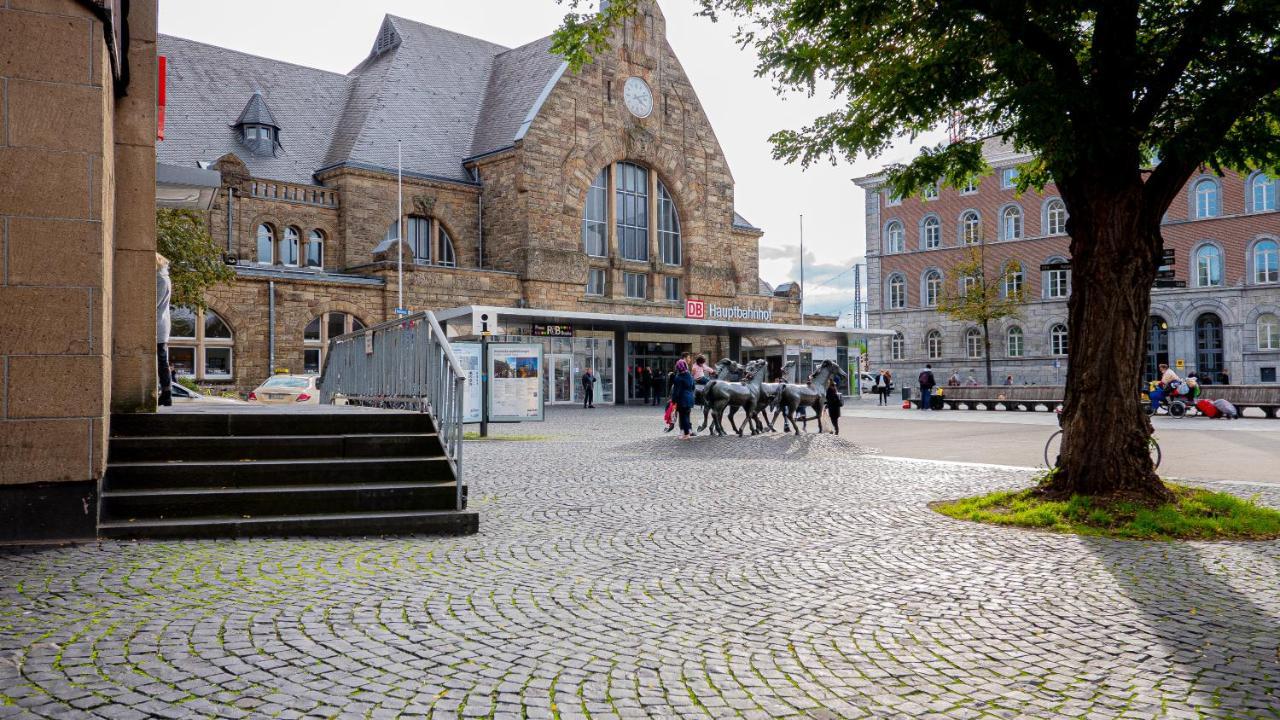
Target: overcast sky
(744,110)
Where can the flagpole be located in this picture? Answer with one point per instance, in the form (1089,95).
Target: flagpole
(399,229)
(802,268)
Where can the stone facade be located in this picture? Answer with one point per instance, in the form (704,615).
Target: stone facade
(77,253)
(1237,300)
(516,228)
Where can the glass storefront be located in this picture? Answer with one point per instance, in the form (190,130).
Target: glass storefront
(659,359)
(565,359)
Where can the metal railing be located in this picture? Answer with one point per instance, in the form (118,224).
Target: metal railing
(402,364)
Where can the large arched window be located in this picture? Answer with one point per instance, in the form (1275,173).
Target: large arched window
(973,342)
(897,292)
(1014,342)
(266,244)
(1055,217)
(1058,339)
(1262,193)
(316,336)
(1011,223)
(1014,278)
(970,228)
(933,345)
(200,344)
(315,249)
(1206,199)
(897,346)
(595,217)
(289,246)
(1266,262)
(932,288)
(633,211)
(930,233)
(1209,344)
(668,228)
(1057,283)
(893,237)
(1268,332)
(426,239)
(1208,266)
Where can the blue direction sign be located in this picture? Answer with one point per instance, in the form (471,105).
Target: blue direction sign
(402,311)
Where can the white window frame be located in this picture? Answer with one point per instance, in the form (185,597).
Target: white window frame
(1265,262)
(597,197)
(1015,342)
(631,281)
(268,241)
(1208,202)
(1014,281)
(897,292)
(970,227)
(1055,217)
(1058,340)
(929,192)
(973,343)
(1260,181)
(970,186)
(1011,222)
(891,200)
(1207,271)
(315,239)
(201,344)
(930,226)
(933,345)
(290,246)
(1008,178)
(320,345)
(897,346)
(932,288)
(1268,331)
(595,282)
(895,237)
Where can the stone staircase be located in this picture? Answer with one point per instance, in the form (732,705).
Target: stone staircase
(243,473)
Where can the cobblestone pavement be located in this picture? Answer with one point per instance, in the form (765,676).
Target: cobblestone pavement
(621,573)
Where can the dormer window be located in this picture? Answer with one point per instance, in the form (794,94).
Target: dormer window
(253,133)
(258,128)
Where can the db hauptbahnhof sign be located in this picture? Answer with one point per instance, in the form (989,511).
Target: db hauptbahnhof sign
(701,310)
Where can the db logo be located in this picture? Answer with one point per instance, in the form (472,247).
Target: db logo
(695,309)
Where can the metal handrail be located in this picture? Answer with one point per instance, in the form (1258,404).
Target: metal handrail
(404,364)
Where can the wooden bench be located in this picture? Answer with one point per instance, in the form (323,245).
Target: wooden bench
(1264,397)
(989,397)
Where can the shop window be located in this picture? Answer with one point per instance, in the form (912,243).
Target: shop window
(315,249)
(318,332)
(633,211)
(266,244)
(595,281)
(635,284)
(201,344)
(595,217)
(668,228)
(672,285)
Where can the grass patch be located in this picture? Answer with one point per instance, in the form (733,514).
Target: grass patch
(472,435)
(1194,514)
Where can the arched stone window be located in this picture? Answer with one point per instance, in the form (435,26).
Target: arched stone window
(315,249)
(933,345)
(1208,266)
(970,227)
(1262,192)
(266,244)
(930,233)
(893,237)
(1014,279)
(316,336)
(1055,217)
(633,211)
(595,216)
(668,228)
(1011,223)
(1056,283)
(1206,199)
(1268,332)
(1015,342)
(932,288)
(426,239)
(201,344)
(1058,339)
(289,246)
(973,343)
(897,346)
(1266,262)
(897,292)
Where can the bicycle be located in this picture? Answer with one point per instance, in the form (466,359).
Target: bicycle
(1053,448)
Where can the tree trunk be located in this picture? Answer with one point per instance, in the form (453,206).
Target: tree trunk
(986,350)
(1114,249)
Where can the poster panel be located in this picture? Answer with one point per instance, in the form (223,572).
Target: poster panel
(469,355)
(515,382)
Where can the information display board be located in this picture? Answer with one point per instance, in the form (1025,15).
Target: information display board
(470,356)
(515,382)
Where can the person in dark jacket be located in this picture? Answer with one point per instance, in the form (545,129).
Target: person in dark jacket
(927,383)
(834,402)
(588,388)
(682,394)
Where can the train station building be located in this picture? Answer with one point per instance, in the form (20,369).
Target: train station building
(601,198)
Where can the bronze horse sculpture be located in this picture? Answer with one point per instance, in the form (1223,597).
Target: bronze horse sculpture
(727,371)
(769,399)
(792,397)
(721,394)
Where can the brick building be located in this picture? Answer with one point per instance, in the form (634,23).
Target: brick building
(525,186)
(1224,232)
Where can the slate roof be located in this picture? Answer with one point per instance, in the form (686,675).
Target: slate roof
(741,222)
(444,95)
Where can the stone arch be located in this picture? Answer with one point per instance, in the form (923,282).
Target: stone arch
(1201,305)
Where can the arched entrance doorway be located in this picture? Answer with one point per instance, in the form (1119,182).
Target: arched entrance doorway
(1209,346)
(1157,347)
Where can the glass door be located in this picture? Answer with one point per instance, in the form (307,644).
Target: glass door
(559,378)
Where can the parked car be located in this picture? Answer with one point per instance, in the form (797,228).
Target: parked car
(866,381)
(286,389)
(183,394)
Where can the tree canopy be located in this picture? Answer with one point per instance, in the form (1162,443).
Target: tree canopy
(195,263)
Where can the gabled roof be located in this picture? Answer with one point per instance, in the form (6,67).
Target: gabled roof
(444,96)
(741,222)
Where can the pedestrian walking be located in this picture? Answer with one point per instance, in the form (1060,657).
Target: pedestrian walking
(164,293)
(884,385)
(834,403)
(682,394)
(927,383)
(588,388)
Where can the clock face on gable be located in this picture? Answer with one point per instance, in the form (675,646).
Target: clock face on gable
(638,97)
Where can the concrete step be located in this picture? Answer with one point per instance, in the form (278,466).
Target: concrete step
(251,424)
(262,473)
(449,522)
(275,500)
(195,448)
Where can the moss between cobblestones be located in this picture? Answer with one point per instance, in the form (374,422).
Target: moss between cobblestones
(1194,515)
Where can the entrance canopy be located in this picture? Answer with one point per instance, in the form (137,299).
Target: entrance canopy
(478,318)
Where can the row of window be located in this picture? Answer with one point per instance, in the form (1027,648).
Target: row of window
(201,343)
(1008,179)
(427,239)
(1263,261)
(288,251)
(1206,196)
(974,348)
(969,230)
(634,207)
(634,285)
(1055,285)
